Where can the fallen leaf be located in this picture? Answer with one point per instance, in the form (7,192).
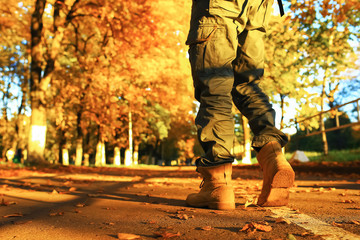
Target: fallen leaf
(336,224)
(252,227)
(54,192)
(282,220)
(183,217)
(249,202)
(355,222)
(127,236)
(262,227)
(166,234)
(56,214)
(248,228)
(72,189)
(4,203)
(13,215)
(305,234)
(80,205)
(207,228)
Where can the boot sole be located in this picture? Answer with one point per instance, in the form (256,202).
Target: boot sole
(279,191)
(215,205)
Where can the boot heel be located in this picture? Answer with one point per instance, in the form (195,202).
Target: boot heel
(222,205)
(283,179)
(277,197)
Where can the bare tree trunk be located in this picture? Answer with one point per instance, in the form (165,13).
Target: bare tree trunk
(136,154)
(323,95)
(100,158)
(117,156)
(79,152)
(130,137)
(247,143)
(79,141)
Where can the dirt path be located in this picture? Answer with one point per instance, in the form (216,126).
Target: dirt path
(148,202)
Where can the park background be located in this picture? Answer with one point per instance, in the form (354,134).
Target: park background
(107,82)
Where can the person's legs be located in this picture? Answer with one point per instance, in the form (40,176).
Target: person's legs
(213,44)
(254,104)
(248,96)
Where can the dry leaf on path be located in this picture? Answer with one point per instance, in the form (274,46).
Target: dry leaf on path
(166,234)
(56,214)
(336,224)
(72,189)
(207,228)
(183,217)
(282,220)
(262,227)
(4,203)
(251,227)
(80,205)
(13,215)
(250,202)
(127,236)
(354,222)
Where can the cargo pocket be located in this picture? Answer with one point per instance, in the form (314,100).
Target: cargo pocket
(210,49)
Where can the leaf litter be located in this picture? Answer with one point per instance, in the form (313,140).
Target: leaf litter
(253,227)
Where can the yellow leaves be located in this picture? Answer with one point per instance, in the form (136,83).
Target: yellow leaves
(127,236)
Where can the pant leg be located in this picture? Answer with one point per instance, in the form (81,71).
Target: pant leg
(248,72)
(213,45)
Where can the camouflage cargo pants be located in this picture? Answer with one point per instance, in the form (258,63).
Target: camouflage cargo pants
(226,51)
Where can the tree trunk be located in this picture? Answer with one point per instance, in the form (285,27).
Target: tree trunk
(247,143)
(65,156)
(100,154)
(79,152)
(130,152)
(323,95)
(37,134)
(136,154)
(117,156)
(128,158)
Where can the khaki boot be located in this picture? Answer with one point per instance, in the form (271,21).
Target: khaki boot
(278,176)
(216,189)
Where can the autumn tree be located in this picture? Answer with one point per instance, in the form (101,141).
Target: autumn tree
(328,27)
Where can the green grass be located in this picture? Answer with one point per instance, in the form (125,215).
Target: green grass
(333,156)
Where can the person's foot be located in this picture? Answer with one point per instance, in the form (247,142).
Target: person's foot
(278,176)
(216,189)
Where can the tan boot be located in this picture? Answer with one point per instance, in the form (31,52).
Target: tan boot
(278,176)
(216,189)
